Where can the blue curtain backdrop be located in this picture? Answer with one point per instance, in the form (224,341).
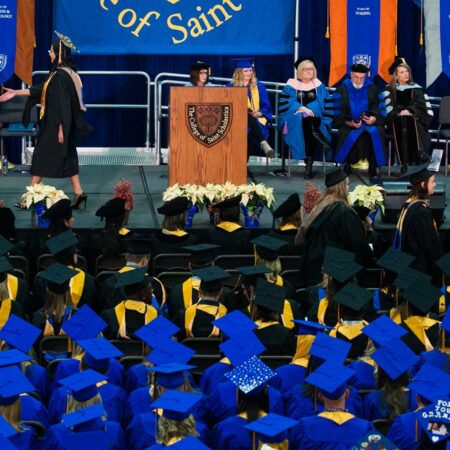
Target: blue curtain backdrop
(122,128)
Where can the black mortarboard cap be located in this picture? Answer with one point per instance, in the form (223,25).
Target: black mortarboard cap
(303,58)
(417,174)
(270,296)
(138,246)
(252,273)
(112,208)
(201,253)
(5,245)
(62,241)
(58,277)
(229,202)
(444,264)
(211,278)
(359,68)
(395,260)
(291,205)
(174,207)
(5,265)
(268,247)
(340,264)
(397,61)
(408,277)
(353,296)
(59,210)
(422,294)
(200,65)
(132,277)
(334,176)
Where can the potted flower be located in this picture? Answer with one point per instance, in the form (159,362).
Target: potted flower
(254,198)
(370,197)
(123,190)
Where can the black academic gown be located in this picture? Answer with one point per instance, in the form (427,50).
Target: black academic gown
(277,339)
(231,243)
(289,237)
(171,243)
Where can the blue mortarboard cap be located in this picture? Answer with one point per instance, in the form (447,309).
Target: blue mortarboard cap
(169,351)
(445,325)
(383,330)
(270,296)
(170,376)
(5,245)
(331,379)
(239,350)
(395,358)
(62,242)
(84,324)
(6,430)
(189,443)
(431,383)
(251,375)
(306,327)
(5,265)
(13,383)
(159,329)
(176,405)
(83,385)
(271,425)
(98,352)
(395,260)
(19,333)
(83,415)
(58,277)
(12,357)
(329,348)
(234,324)
(243,63)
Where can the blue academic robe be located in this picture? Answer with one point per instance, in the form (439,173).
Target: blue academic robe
(113,400)
(214,375)
(376,408)
(32,409)
(288,375)
(320,433)
(38,377)
(230,434)
(364,377)
(25,439)
(403,431)
(436,358)
(291,123)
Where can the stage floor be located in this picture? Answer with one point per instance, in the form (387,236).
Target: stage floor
(148,184)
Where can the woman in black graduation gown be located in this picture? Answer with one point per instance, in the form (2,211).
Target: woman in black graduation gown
(62,108)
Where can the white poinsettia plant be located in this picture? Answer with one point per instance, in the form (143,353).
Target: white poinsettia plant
(40,193)
(368,196)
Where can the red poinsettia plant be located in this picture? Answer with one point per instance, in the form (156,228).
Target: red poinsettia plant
(123,190)
(311,197)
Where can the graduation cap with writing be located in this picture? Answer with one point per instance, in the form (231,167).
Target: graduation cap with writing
(431,383)
(395,358)
(112,208)
(158,331)
(84,324)
(268,247)
(133,278)
(239,350)
(83,415)
(383,330)
(422,294)
(307,327)
(290,206)
(270,296)
(407,277)
(98,352)
(335,176)
(252,273)
(251,376)
(189,443)
(13,383)
(395,260)
(331,379)
(5,266)
(83,385)
(170,351)
(59,210)
(228,202)
(211,278)
(177,405)
(243,63)
(58,277)
(170,376)
(138,246)
(235,324)
(327,348)
(62,242)
(5,245)
(271,428)
(340,264)
(19,333)
(174,207)
(353,296)
(12,357)
(202,254)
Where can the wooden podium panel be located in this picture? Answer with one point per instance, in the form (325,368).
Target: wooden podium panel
(208,135)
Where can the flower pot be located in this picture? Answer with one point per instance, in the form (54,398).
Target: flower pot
(194,209)
(252,214)
(39,210)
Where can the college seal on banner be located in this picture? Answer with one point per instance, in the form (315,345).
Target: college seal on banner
(209,123)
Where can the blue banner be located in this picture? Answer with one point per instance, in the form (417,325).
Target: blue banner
(363,31)
(8,27)
(177,26)
(445,36)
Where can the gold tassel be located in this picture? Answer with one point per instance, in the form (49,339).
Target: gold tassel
(327,31)
(421,24)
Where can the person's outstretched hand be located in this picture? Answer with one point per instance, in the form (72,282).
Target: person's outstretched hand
(8,95)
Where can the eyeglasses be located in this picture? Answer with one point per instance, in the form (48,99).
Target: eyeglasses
(307,69)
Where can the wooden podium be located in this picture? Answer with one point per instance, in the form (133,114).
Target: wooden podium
(208,135)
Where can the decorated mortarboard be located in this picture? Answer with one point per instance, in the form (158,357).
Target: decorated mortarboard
(138,246)
(19,333)
(243,63)
(431,383)
(375,440)
(59,210)
(395,260)
(334,176)
(338,265)
(189,443)
(83,385)
(228,202)
(251,376)
(252,273)
(422,294)
(66,41)
(202,253)
(331,379)
(271,427)
(435,423)
(84,324)
(5,245)
(407,277)
(159,330)
(169,351)
(58,277)
(268,247)
(112,208)
(444,264)
(200,65)
(290,206)
(174,207)
(270,296)
(211,277)
(13,383)
(83,415)
(12,357)
(132,277)
(176,405)
(98,352)
(359,68)
(395,358)
(303,58)
(170,376)
(235,324)
(353,296)
(239,350)
(329,348)
(397,61)
(62,242)
(307,327)
(383,330)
